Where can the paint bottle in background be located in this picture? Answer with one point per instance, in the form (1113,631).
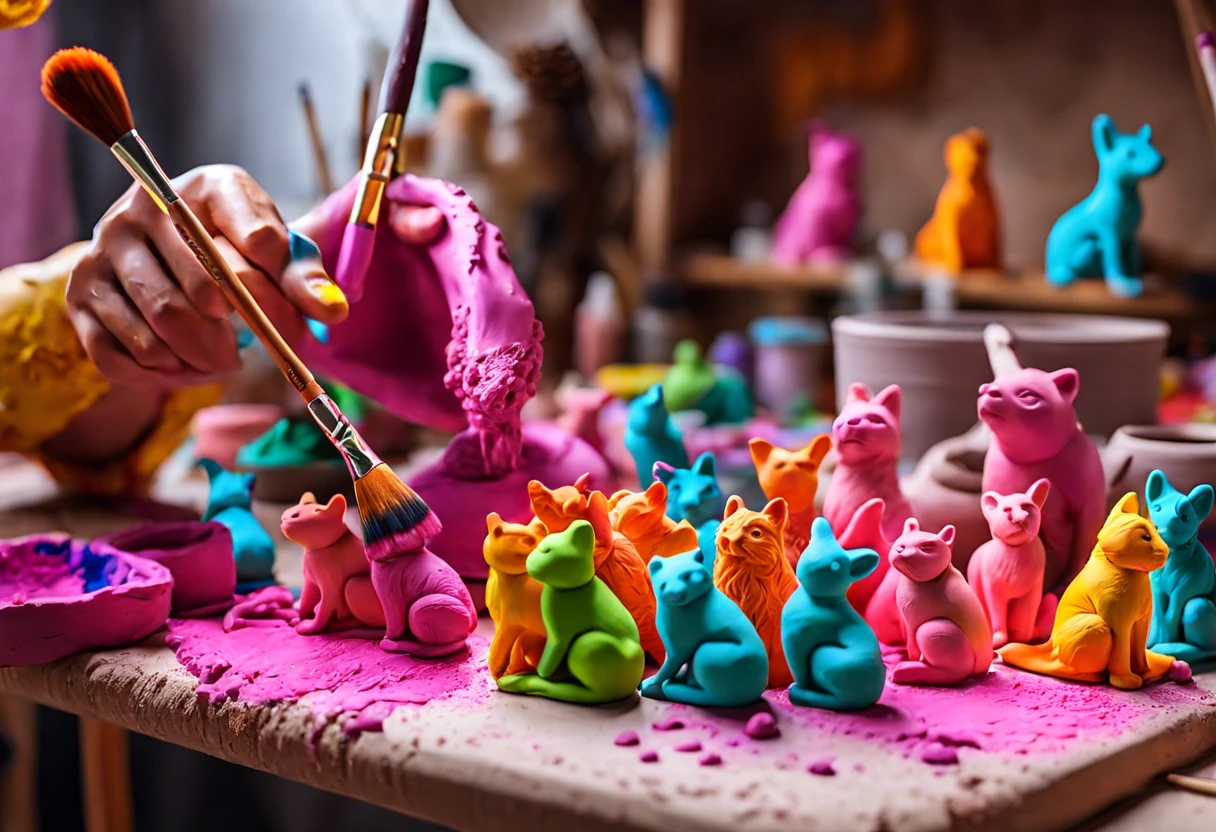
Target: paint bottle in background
(599,326)
(752,241)
(790,353)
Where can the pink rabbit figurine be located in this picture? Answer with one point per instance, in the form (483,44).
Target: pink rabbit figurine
(820,221)
(945,632)
(866,438)
(1006,573)
(337,592)
(427,608)
(1035,435)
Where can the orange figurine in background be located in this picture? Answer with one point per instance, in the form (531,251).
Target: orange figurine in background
(751,570)
(963,232)
(642,517)
(793,476)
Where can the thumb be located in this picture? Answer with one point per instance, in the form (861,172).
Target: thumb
(307,285)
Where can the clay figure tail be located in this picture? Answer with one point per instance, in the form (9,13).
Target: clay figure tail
(420,650)
(1040,658)
(1184,652)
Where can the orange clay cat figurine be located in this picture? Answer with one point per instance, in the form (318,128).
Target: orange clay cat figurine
(751,569)
(617,561)
(794,476)
(1102,621)
(513,596)
(963,232)
(642,518)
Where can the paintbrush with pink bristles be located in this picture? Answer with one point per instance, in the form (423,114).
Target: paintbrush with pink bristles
(383,147)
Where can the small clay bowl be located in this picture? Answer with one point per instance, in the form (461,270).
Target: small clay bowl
(198,554)
(60,596)
(221,431)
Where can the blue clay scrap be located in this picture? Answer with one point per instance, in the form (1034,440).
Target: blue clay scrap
(229,503)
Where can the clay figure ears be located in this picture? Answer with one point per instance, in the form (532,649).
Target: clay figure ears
(1039,491)
(308,499)
(821,444)
(653,396)
(911,525)
(583,537)
(822,532)
(662,472)
(777,510)
(1156,486)
(990,500)
(1201,498)
(734,505)
(862,562)
(583,483)
(1145,134)
(1103,133)
(761,450)
(656,494)
(336,504)
(858,392)
(705,465)
(494,525)
(655,565)
(211,467)
(891,399)
(1068,382)
(947,535)
(1128,504)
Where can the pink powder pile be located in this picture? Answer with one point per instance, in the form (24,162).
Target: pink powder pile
(340,676)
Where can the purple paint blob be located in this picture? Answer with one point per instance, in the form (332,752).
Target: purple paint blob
(709,758)
(627,738)
(347,676)
(823,768)
(762,726)
(668,724)
(649,756)
(939,755)
(1180,671)
(689,746)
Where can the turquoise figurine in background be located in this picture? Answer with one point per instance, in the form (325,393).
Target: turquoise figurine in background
(1097,237)
(720,392)
(693,494)
(229,504)
(1184,590)
(832,652)
(651,436)
(715,659)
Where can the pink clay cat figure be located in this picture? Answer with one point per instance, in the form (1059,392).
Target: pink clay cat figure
(865,532)
(820,221)
(946,634)
(866,438)
(1035,435)
(337,592)
(1006,573)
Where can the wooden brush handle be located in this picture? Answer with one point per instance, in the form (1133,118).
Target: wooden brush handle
(204,248)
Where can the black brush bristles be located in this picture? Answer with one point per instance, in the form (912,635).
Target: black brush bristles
(394,518)
(85,87)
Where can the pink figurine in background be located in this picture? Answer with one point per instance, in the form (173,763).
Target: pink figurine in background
(820,221)
(865,532)
(946,634)
(1006,573)
(1035,435)
(337,592)
(866,438)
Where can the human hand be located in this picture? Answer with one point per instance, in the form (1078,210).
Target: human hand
(148,314)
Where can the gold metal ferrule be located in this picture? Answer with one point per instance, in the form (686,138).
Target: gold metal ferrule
(382,149)
(141,164)
(360,459)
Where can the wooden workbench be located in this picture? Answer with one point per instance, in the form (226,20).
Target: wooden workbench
(515,763)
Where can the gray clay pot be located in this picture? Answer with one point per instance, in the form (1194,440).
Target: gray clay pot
(939,361)
(1185,453)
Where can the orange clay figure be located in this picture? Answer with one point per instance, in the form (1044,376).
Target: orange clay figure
(794,476)
(617,561)
(513,596)
(1102,622)
(751,569)
(963,232)
(642,518)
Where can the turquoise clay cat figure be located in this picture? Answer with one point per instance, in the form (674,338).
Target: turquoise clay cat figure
(651,436)
(715,658)
(693,494)
(832,652)
(1184,590)
(1097,236)
(229,504)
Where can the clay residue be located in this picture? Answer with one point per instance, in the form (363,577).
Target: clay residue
(347,678)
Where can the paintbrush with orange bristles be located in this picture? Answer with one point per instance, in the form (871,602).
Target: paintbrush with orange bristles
(85,87)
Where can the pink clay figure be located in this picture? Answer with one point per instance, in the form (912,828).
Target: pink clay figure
(866,438)
(946,634)
(1035,435)
(865,532)
(820,221)
(427,608)
(1006,573)
(337,592)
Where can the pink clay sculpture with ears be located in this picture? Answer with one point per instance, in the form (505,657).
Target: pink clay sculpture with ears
(1007,571)
(866,438)
(946,634)
(1035,435)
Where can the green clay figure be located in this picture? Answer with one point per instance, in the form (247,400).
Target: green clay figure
(693,383)
(289,443)
(593,653)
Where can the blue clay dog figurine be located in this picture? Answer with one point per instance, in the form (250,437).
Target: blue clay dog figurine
(651,436)
(1097,236)
(693,494)
(832,652)
(714,657)
(1184,590)
(229,504)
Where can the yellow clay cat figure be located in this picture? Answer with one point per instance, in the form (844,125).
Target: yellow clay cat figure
(513,596)
(793,476)
(1102,622)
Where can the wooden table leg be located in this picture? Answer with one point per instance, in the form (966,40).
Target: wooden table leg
(18,791)
(106,770)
